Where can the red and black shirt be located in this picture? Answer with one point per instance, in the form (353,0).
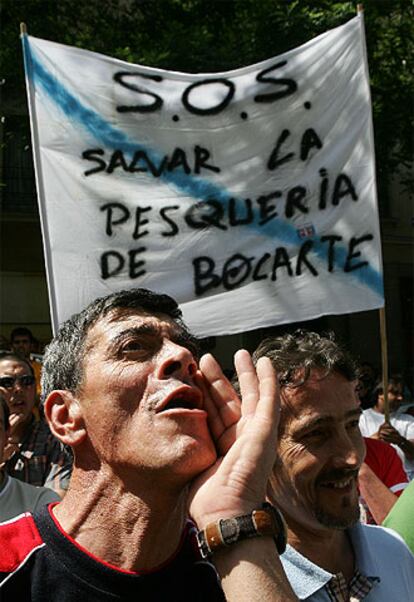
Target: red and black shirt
(39,561)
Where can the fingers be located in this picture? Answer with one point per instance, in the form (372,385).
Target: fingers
(246,446)
(14,420)
(219,386)
(221,392)
(391,438)
(387,430)
(248,381)
(214,420)
(260,405)
(220,401)
(258,386)
(269,400)
(9,450)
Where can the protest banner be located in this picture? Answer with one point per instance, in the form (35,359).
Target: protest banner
(248,195)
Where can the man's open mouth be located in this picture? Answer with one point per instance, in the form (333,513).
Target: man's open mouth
(18,405)
(338,482)
(185,398)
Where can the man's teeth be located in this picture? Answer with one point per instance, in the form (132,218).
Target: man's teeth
(339,484)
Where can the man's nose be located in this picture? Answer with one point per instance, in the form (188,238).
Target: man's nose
(347,452)
(17,384)
(176,360)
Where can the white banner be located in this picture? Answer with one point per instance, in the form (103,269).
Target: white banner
(249,195)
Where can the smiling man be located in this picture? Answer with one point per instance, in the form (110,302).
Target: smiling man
(330,555)
(32,454)
(155,437)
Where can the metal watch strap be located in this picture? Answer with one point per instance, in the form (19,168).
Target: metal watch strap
(266,520)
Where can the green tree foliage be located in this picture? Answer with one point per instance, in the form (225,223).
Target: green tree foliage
(208,36)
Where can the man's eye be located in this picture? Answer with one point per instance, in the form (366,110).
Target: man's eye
(353,424)
(316,434)
(132,346)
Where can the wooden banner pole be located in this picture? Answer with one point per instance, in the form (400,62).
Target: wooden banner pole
(23,29)
(384,358)
(383,330)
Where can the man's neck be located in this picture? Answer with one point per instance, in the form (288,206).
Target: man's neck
(117,525)
(330,549)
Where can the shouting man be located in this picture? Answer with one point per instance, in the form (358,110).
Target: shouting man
(155,438)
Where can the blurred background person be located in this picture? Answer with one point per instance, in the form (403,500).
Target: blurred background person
(399,432)
(31,454)
(22,343)
(367,377)
(17,497)
(407,404)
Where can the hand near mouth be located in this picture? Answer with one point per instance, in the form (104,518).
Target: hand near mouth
(12,445)
(15,419)
(9,450)
(245,434)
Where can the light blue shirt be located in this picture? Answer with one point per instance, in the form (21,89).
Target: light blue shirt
(380,554)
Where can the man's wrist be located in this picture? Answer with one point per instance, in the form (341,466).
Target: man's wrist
(224,532)
(404,444)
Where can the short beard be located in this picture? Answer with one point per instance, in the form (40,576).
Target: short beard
(345,521)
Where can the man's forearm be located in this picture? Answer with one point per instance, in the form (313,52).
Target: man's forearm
(251,571)
(377,496)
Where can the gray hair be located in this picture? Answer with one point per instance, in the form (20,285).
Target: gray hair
(64,356)
(294,356)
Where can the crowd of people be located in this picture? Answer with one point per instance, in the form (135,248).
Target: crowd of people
(144,473)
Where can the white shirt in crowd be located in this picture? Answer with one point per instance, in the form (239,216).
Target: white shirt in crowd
(371,420)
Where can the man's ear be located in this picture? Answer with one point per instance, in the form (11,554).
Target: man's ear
(64,415)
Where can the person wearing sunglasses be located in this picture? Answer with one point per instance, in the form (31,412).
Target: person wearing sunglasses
(17,497)
(31,454)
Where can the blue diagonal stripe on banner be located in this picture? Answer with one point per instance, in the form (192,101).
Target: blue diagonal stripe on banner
(192,186)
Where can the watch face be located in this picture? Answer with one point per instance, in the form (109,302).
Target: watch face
(229,530)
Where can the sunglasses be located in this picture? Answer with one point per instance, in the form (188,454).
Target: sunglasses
(24,381)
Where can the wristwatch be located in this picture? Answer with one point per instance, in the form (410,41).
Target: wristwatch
(266,520)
